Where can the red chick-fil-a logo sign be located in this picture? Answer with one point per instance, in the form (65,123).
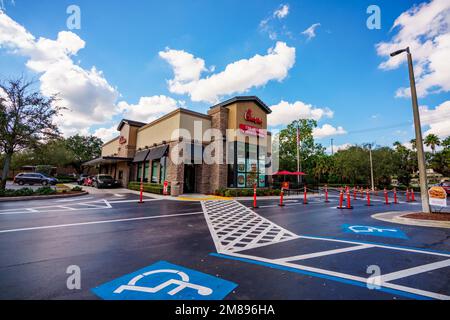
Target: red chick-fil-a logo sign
(122,140)
(249,117)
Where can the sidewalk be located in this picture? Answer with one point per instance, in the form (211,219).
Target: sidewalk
(398,217)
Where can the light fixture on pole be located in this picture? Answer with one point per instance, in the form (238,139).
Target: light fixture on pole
(419,142)
(371,167)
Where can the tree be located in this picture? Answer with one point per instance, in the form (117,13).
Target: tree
(413,144)
(26,119)
(83,148)
(309,150)
(446,143)
(432,141)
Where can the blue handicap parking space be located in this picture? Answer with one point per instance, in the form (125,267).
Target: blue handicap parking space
(165,281)
(375,231)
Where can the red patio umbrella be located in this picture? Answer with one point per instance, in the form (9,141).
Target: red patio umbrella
(283,173)
(298,173)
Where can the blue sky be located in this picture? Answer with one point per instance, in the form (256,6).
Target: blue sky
(338,69)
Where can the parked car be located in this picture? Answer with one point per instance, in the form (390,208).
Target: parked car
(104,180)
(34,178)
(446,186)
(81,178)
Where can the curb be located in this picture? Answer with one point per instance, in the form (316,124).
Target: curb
(29,198)
(397,217)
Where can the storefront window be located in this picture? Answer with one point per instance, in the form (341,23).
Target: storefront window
(146,171)
(163,170)
(139,172)
(155,167)
(250,166)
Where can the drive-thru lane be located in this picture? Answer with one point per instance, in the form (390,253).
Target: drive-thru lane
(109,236)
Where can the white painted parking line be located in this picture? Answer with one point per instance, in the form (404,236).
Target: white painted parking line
(99,222)
(416,270)
(341,275)
(119,195)
(75,199)
(234,227)
(324,253)
(133,200)
(72,206)
(378,246)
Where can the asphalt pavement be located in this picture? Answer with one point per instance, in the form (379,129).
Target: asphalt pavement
(312,251)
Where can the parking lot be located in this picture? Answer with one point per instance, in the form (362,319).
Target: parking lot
(299,251)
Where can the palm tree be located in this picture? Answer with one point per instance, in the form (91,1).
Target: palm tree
(432,141)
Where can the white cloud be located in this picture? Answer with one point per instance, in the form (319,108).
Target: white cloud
(238,77)
(106,134)
(89,97)
(311,31)
(282,11)
(438,119)
(284,113)
(426,30)
(185,66)
(337,148)
(149,108)
(328,130)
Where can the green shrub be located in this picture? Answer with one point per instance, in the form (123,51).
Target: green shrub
(148,187)
(45,191)
(16,193)
(77,188)
(236,192)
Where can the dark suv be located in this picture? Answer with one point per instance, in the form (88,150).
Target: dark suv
(104,180)
(34,178)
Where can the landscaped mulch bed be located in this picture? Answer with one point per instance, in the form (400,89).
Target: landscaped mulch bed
(429,216)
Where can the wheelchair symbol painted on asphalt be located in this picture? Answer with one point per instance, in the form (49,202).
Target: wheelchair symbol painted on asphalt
(181,284)
(374,231)
(165,281)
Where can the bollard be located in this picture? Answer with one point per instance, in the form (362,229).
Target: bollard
(305,200)
(326,194)
(341,200)
(354,193)
(407,195)
(376,192)
(386,198)
(412,195)
(395,196)
(368,199)
(362,193)
(281,204)
(254,197)
(141,192)
(349,205)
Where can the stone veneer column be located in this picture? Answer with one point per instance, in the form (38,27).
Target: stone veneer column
(175,173)
(218,172)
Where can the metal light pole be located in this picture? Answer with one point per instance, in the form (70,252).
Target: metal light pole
(419,142)
(371,167)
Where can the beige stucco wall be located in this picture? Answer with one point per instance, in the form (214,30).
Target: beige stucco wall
(157,131)
(237,111)
(167,129)
(110,148)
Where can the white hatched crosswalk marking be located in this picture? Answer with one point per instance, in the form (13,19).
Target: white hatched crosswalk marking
(235,227)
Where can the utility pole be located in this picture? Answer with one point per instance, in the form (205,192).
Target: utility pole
(332,151)
(419,142)
(371,167)
(298,154)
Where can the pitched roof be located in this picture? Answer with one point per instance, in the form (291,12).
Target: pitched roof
(131,123)
(243,99)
